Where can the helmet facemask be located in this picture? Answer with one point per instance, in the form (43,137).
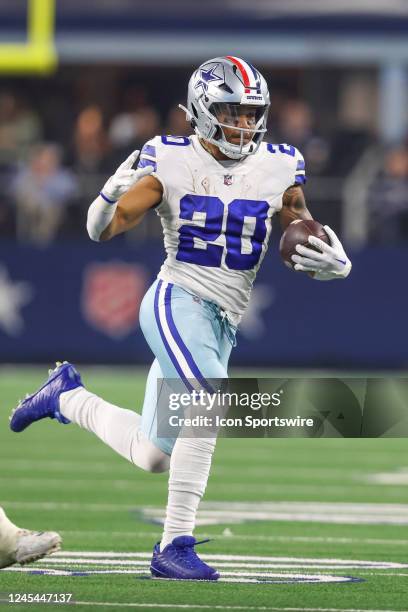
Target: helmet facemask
(242,141)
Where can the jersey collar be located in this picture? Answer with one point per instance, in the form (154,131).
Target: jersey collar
(207,157)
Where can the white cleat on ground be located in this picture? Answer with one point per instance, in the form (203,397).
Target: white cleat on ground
(31,546)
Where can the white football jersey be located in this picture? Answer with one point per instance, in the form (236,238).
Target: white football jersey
(216,216)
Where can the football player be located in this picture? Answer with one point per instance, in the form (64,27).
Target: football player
(216,193)
(23,546)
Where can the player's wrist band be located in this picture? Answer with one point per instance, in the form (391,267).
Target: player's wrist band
(107,199)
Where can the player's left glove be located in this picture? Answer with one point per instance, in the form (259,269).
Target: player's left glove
(328,262)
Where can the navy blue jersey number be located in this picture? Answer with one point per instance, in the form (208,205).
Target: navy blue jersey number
(176,141)
(246,221)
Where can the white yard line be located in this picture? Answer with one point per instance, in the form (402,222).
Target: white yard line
(382,574)
(312,505)
(234,568)
(79,562)
(244,561)
(227,576)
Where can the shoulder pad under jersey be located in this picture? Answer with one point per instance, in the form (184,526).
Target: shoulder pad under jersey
(291,160)
(157,149)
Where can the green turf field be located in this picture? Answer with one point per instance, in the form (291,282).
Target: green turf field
(287,518)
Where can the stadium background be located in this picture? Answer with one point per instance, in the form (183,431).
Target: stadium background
(71,107)
(339,93)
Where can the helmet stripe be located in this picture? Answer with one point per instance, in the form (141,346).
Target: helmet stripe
(245,77)
(257,79)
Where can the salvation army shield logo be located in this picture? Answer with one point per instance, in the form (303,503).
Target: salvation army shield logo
(111,297)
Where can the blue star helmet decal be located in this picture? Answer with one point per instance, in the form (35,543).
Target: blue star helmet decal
(206,76)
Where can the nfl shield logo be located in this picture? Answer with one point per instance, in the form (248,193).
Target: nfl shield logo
(228,179)
(111,297)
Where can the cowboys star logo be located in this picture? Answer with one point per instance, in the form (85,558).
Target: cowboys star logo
(206,76)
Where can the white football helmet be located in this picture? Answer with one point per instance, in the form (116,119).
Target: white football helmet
(221,90)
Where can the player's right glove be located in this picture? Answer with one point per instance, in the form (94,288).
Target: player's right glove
(103,208)
(123,179)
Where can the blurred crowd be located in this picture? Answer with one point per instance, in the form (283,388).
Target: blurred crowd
(46,184)
(50,172)
(388,199)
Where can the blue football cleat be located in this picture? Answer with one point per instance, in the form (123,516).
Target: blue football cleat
(45,402)
(179,561)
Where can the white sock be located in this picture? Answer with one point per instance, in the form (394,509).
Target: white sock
(117,427)
(190,465)
(8,535)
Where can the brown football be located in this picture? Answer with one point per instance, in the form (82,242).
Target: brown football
(298,232)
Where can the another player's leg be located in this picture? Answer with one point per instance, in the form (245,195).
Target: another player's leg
(170,318)
(64,398)
(24,546)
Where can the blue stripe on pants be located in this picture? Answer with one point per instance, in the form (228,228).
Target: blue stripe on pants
(178,340)
(164,339)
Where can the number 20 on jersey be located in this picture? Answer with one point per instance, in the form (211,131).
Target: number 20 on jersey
(213,208)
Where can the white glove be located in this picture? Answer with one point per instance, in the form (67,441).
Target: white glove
(123,179)
(103,208)
(329,262)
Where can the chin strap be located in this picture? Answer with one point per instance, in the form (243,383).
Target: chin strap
(189,115)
